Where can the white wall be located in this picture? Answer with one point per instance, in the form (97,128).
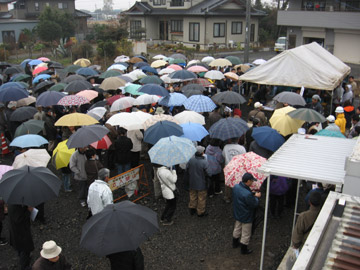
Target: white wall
(346,46)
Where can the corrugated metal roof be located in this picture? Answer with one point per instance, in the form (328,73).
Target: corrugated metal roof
(315,158)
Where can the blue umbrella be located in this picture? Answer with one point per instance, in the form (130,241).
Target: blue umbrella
(160,130)
(12,94)
(149,69)
(154,89)
(183,75)
(12,85)
(330,133)
(228,128)
(49,98)
(141,64)
(41,77)
(199,103)
(151,79)
(171,151)
(85,71)
(194,131)
(35,62)
(122,63)
(174,99)
(28,140)
(268,138)
(23,63)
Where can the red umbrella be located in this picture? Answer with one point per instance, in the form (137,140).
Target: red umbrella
(39,69)
(104,143)
(112,99)
(175,67)
(72,100)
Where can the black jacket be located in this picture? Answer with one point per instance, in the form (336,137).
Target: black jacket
(123,146)
(127,260)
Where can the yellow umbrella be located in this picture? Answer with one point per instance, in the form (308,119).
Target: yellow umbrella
(112,83)
(62,154)
(76,119)
(283,123)
(158,63)
(220,62)
(243,67)
(83,62)
(232,75)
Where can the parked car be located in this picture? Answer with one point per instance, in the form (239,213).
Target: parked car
(280,44)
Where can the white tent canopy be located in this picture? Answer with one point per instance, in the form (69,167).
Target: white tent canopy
(307,157)
(309,65)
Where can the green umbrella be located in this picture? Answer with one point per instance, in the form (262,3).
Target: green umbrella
(22,77)
(234,60)
(177,61)
(132,89)
(151,79)
(72,68)
(110,73)
(31,126)
(58,87)
(26,85)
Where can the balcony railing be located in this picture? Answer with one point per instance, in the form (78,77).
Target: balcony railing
(177,3)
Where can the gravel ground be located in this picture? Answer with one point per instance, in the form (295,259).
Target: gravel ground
(191,243)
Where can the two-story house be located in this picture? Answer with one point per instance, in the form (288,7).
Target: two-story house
(335,24)
(26,12)
(193,22)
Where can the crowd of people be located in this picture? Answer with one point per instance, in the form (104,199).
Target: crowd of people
(202,174)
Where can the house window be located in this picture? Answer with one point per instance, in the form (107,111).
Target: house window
(37,6)
(194,32)
(236,28)
(219,29)
(134,27)
(177,3)
(62,5)
(176,26)
(159,2)
(318,5)
(252,33)
(47,4)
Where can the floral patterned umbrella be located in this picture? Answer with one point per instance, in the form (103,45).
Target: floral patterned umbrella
(241,164)
(104,143)
(72,100)
(156,118)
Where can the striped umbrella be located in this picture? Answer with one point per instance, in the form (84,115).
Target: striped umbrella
(228,128)
(199,103)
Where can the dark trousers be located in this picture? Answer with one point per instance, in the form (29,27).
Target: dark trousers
(276,203)
(24,259)
(214,185)
(169,210)
(83,190)
(135,159)
(41,214)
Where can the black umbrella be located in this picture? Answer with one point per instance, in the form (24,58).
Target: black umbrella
(13,70)
(118,227)
(228,97)
(189,93)
(193,86)
(56,65)
(29,186)
(77,86)
(43,86)
(72,78)
(23,113)
(86,135)
(100,103)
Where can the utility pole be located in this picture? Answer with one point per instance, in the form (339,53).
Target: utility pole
(247,31)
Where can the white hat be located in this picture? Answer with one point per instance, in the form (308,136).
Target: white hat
(12,104)
(331,118)
(200,149)
(50,250)
(301,131)
(257,105)
(227,109)
(339,109)
(317,97)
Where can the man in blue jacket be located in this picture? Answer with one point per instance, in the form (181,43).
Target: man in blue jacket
(245,203)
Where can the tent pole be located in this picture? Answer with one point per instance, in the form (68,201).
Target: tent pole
(265,222)
(332,97)
(296,205)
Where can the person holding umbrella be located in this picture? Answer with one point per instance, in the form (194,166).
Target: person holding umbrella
(168,180)
(77,166)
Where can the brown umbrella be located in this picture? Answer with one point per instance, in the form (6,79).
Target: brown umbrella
(134,60)
(112,83)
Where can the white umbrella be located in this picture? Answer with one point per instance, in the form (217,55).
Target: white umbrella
(166,71)
(167,79)
(122,103)
(122,58)
(193,62)
(136,74)
(159,57)
(97,112)
(214,75)
(117,66)
(190,116)
(130,121)
(220,62)
(207,59)
(146,99)
(259,62)
(32,157)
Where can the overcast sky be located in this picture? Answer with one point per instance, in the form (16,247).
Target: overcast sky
(91,5)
